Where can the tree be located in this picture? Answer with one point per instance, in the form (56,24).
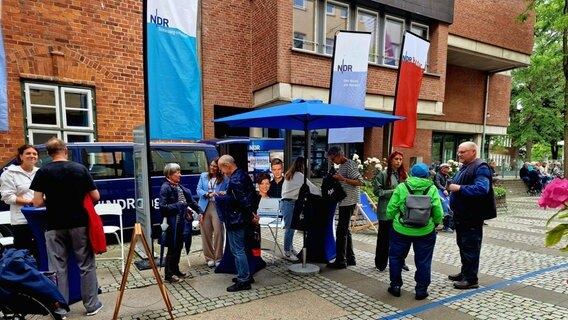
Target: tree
(538,104)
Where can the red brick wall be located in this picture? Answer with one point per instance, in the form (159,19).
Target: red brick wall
(226,57)
(264,25)
(499,100)
(494,22)
(76,43)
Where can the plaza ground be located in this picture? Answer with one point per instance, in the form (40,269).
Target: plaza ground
(519,279)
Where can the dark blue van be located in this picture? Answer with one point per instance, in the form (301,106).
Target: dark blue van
(112,167)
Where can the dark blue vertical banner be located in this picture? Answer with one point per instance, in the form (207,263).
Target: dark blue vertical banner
(174,80)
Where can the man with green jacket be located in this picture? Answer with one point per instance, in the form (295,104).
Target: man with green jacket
(422,239)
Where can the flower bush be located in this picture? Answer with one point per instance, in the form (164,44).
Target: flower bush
(555,195)
(454,168)
(369,168)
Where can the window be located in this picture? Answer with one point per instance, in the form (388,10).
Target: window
(334,23)
(419,30)
(107,164)
(300,4)
(194,161)
(329,43)
(305,25)
(394,29)
(299,39)
(330,9)
(367,21)
(57,111)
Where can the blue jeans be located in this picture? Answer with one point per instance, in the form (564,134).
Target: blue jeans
(469,239)
(236,240)
(287,208)
(423,247)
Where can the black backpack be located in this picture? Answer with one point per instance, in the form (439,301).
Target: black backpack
(417,209)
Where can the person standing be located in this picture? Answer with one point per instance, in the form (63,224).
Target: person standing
(61,186)
(293,181)
(472,200)
(441,183)
(15,189)
(383,187)
(211,184)
(175,201)
(244,200)
(422,238)
(277,168)
(350,178)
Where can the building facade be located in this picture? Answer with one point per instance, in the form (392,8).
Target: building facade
(75,68)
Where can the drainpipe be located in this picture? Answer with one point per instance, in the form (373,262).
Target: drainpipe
(485,106)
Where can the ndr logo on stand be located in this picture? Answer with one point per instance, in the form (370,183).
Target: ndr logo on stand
(156,19)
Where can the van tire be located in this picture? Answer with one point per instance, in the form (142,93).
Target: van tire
(5,231)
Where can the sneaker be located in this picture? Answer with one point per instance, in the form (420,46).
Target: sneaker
(288,255)
(182,275)
(294,252)
(210,263)
(448,230)
(173,279)
(94,312)
(217,263)
(239,286)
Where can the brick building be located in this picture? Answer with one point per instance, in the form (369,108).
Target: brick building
(75,67)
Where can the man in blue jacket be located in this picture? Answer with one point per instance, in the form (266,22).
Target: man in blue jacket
(245,203)
(472,200)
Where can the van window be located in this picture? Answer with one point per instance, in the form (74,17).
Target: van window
(190,161)
(108,164)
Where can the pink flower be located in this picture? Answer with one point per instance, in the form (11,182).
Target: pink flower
(555,195)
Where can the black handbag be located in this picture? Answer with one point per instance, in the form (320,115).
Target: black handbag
(332,190)
(302,210)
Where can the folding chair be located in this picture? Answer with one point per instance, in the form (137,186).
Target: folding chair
(271,218)
(115,209)
(365,214)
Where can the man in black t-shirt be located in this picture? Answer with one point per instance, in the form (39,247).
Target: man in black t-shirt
(61,186)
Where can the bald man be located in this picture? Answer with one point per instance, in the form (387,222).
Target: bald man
(472,200)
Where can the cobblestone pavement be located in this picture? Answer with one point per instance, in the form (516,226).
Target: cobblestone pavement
(519,279)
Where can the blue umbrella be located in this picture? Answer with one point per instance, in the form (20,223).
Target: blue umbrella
(309,115)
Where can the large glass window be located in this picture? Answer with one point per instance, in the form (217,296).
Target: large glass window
(58,111)
(316,23)
(305,25)
(190,161)
(334,22)
(367,21)
(394,29)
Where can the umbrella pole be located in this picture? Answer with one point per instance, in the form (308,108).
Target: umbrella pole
(305,268)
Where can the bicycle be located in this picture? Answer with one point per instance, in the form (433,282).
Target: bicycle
(23,302)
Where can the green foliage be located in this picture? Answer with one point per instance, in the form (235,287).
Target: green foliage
(556,234)
(538,90)
(500,192)
(368,188)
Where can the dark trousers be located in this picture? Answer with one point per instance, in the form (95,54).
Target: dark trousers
(469,239)
(382,248)
(24,239)
(423,247)
(343,242)
(175,246)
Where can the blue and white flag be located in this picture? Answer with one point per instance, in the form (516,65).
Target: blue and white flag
(349,79)
(3,81)
(174,80)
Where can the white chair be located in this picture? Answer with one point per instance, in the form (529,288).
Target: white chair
(271,218)
(115,209)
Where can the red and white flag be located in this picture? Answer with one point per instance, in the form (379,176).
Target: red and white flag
(411,70)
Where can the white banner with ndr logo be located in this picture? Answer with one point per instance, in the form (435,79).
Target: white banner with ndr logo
(349,79)
(174,80)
